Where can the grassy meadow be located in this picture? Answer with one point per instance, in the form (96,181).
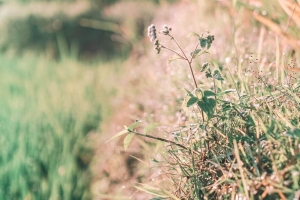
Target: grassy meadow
(47,110)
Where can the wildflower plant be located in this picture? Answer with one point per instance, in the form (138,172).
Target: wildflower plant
(237,143)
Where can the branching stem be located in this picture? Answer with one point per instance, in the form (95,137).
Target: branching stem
(173,52)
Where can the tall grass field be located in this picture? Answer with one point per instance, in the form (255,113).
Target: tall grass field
(47,110)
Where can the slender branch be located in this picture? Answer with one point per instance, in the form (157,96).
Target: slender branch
(193,74)
(190,65)
(162,139)
(172,38)
(189,62)
(174,52)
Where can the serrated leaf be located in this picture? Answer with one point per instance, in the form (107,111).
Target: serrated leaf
(118,135)
(207,105)
(127,140)
(208,93)
(217,75)
(191,101)
(193,34)
(150,127)
(174,57)
(133,126)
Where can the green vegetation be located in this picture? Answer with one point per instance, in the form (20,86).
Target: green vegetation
(219,120)
(241,133)
(47,110)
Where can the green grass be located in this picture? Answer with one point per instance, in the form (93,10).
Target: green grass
(239,140)
(47,109)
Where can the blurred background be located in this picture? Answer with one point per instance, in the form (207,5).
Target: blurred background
(67,66)
(58,60)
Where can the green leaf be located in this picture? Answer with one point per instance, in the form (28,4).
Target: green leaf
(217,75)
(192,101)
(203,42)
(150,127)
(208,93)
(294,133)
(210,39)
(189,93)
(198,53)
(174,57)
(127,140)
(226,92)
(208,74)
(133,126)
(229,90)
(194,53)
(118,135)
(193,34)
(204,66)
(207,105)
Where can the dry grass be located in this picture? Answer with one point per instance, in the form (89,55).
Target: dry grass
(152,91)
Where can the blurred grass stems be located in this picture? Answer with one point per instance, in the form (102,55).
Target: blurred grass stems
(50,107)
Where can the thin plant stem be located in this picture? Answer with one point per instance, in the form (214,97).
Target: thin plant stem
(164,140)
(174,52)
(215,88)
(189,63)
(186,58)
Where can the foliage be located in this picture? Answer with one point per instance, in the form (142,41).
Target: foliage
(240,141)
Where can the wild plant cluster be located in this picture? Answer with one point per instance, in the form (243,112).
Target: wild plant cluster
(240,142)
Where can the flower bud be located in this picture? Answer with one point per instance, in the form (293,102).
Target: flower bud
(152,32)
(166,30)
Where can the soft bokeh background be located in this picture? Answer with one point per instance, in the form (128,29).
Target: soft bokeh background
(72,73)
(58,64)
